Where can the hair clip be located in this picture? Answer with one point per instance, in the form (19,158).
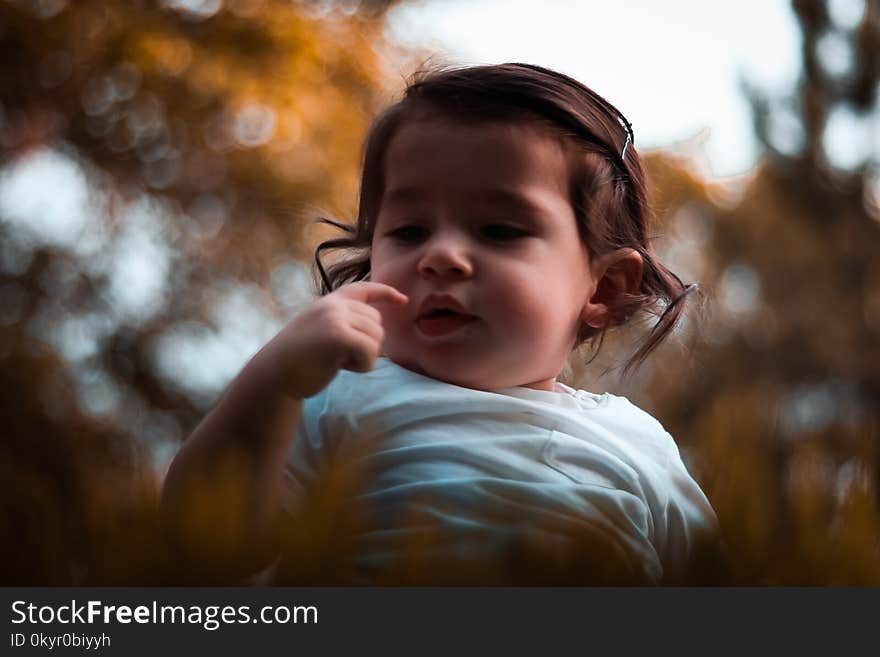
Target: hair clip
(625,144)
(630,137)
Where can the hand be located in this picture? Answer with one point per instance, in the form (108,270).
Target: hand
(342,330)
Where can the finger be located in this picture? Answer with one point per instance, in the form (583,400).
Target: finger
(366,311)
(369,327)
(370,292)
(362,354)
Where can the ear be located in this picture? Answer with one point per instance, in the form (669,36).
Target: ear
(614,274)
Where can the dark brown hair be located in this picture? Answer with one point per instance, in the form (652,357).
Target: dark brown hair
(608,188)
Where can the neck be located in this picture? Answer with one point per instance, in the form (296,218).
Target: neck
(544,384)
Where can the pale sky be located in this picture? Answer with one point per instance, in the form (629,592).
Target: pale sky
(671,66)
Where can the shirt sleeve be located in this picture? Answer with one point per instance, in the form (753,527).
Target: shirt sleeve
(690,530)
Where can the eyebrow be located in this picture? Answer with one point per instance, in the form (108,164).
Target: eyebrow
(495,195)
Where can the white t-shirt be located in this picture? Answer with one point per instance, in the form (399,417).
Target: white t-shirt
(487,468)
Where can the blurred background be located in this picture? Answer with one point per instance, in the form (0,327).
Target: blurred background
(161,163)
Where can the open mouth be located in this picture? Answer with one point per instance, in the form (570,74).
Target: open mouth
(443,321)
(443,312)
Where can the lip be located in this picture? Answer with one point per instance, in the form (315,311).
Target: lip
(441,302)
(435,327)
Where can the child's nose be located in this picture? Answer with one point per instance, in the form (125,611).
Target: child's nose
(445,256)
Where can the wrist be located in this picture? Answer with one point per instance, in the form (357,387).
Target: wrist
(274,372)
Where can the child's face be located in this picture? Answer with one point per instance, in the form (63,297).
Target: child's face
(475,226)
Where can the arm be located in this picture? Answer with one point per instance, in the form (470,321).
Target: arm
(222,496)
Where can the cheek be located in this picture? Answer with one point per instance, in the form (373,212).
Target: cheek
(526,303)
(378,270)
(394,323)
(383,267)
(538,304)
(377,274)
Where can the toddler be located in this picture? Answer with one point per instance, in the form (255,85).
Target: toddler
(502,222)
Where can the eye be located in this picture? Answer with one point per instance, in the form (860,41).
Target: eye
(502,232)
(410,233)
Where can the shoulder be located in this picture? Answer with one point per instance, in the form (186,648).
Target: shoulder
(626,418)
(683,513)
(630,411)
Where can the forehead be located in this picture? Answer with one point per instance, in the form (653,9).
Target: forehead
(500,160)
